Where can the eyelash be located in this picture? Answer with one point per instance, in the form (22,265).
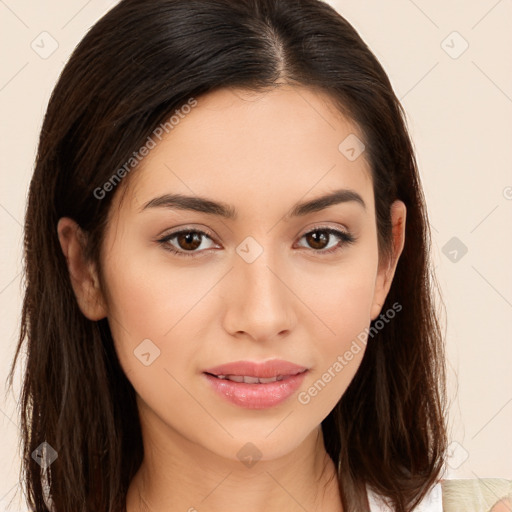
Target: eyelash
(346,238)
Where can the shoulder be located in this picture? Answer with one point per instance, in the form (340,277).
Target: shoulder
(477,494)
(469,495)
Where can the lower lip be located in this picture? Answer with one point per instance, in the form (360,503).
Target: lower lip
(256,396)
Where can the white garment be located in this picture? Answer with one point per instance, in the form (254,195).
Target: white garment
(432,502)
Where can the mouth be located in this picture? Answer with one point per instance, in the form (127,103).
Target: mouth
(256,385)
(250,379)
(248,371)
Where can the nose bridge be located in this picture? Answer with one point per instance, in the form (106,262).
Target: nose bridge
(261,281)
(261,304)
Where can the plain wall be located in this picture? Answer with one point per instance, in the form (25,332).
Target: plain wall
(459,106)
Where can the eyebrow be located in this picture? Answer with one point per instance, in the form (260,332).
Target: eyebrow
(208,206)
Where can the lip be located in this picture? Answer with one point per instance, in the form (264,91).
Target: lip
(259,395)
(267,369)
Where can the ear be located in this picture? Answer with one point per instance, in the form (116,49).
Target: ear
(387,269)
(82,273)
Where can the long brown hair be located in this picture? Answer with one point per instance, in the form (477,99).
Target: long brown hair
(137,65)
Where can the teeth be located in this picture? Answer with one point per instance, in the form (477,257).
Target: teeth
(270,379)
(250,380)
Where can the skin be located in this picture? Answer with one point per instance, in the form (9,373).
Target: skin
(503,505)
(261,154)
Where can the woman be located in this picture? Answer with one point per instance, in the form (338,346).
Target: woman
(228,291)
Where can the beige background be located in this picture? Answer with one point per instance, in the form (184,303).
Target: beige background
(459,106)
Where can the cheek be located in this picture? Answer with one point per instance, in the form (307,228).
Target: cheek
(342,311)
(148,293)
(148,305)
(343,301)
(148,320)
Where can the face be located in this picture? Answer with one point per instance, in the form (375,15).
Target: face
(189,290)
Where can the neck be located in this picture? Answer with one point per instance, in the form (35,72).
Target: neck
(178,475)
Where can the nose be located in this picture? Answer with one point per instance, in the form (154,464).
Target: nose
(261,301)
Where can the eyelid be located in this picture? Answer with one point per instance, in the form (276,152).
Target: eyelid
(321,227)
(193,229)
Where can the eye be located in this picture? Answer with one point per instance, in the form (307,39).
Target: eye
(188,241)
(318,238)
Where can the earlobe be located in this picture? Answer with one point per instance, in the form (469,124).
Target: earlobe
(386,272)
(82,273)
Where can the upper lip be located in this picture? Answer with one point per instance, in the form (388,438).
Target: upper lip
(267,369)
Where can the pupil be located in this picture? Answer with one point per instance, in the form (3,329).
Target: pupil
(317,236)
(189,239)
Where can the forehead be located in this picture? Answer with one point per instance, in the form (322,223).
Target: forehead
(253,147)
